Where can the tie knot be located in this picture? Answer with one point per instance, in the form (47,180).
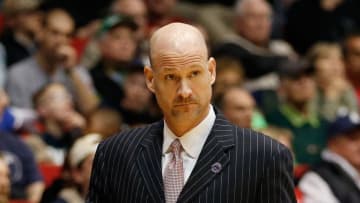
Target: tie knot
(176,147)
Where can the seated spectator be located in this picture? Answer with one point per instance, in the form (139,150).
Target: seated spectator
(138,107)
(334,91)
(136,9)
(105,122)
(23,29)
(4,180)
(229,72)
(81,157)
(336,177)
(117,45)
(239,107)
(160,12)
(251,44)
(58,124)
(26,181)
(55,61)
(351,48)
(295,111)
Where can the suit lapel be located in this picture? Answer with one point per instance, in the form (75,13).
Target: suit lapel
(213,159)
(149,162)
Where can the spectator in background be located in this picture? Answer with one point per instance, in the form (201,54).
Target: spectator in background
(229,72)
(136,9)
(117,44)
(25,177)
(55,61)
(58,125)
(334,91)
(336,177)
(251,44)
(160,14)
(4,180)
(295,111)
(23,29)
(138,107)
(105,122)
(351,49)
(81,157)
(239,107)
(26,181)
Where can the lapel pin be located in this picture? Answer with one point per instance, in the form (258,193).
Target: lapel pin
(216,167)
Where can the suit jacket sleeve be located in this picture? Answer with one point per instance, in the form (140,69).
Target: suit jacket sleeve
(97,189)
(277,184)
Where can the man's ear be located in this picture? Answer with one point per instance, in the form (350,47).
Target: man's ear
(212,69)
(149,77)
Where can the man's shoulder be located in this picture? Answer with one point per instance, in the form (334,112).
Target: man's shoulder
(23,67)
(130,138)
(11,142)
(254,141)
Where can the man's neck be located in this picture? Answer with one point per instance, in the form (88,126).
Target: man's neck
(53,128)
(45,63)
(301,107)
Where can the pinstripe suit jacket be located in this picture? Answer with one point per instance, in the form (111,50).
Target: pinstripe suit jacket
(249,167)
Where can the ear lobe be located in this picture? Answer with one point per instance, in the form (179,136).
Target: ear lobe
(149,77)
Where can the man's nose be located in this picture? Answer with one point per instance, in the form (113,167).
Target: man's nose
(184,90)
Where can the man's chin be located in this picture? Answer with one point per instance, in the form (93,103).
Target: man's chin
(185,110)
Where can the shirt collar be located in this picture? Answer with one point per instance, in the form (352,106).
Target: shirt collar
(330,156)
(297,119)
(193,140)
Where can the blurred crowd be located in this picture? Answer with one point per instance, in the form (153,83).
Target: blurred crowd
(71,75)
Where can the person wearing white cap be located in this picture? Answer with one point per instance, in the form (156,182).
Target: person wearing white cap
(81,157)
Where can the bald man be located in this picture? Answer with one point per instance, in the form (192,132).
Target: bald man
(193,154)
(238,106)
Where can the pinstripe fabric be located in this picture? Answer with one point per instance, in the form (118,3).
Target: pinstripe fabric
(235,165)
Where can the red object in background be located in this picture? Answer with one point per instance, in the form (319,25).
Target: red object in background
(79,44)
(299,196)
(19,201)
(2,22)
(50,173)
(300,170)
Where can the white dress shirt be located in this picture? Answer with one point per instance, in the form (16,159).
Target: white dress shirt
(192,143)
(316,190)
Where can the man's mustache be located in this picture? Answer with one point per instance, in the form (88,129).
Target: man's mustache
(184,101)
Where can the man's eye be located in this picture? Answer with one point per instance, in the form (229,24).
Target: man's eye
(194,73)
(170,77)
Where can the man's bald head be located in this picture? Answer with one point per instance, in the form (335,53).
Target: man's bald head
(177,38)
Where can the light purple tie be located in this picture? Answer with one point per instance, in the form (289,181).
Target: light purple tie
(174,173)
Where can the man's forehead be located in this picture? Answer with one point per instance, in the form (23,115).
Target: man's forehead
(167,61)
